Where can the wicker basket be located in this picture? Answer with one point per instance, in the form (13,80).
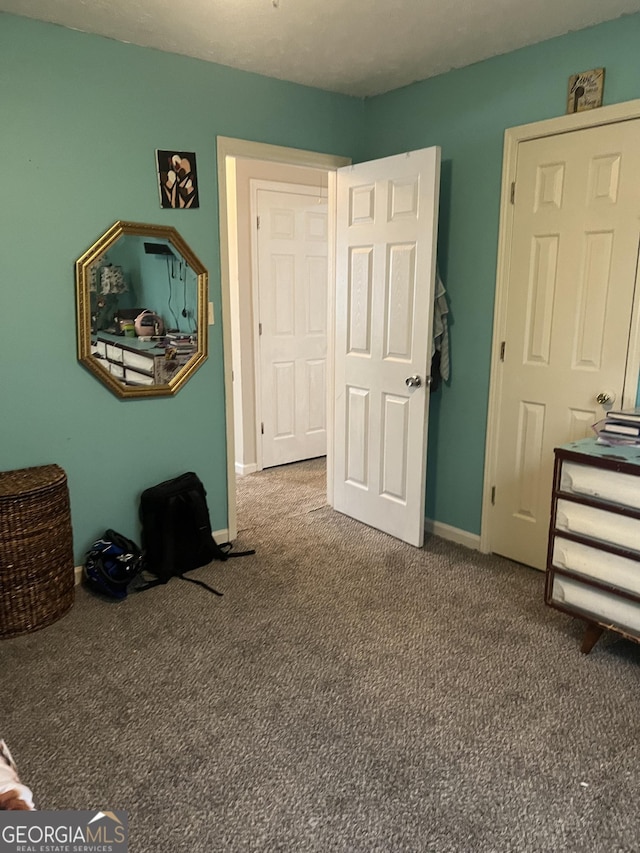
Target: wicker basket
(36,549)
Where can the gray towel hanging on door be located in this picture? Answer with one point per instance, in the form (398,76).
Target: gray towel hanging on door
(440,344)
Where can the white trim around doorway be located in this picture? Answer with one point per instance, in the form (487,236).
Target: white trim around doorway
(229,149)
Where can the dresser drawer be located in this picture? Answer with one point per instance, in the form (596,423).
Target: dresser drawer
(116,370)
(600,484)
(132,377)
(603,606)
(114,353)
(598,524)
(138,361)
(602,566)
(99,348)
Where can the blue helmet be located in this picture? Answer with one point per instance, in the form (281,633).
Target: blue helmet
(111,564)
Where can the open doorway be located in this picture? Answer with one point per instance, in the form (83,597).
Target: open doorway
(240,162)
(279,284)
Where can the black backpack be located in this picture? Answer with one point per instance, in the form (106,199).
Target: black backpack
(176,531)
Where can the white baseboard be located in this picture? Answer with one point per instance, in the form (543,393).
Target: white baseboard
(243,470)
(221,535)
(453,534)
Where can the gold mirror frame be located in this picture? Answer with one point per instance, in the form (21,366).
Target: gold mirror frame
(83,309)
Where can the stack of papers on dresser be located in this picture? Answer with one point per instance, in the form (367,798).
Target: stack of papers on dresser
(619,427)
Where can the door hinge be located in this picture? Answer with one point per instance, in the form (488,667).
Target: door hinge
(262,428)
(503,346)
(513,192)
(258,222)
(259,328)
(493,495)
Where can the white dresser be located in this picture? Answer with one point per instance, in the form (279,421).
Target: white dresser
(593,561)
(137,362)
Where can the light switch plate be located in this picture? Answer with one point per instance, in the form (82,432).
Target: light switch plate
(211,319)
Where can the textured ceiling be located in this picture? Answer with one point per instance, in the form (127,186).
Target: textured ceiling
(358,47)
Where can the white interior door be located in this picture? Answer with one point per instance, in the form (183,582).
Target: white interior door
(385,270)
(571,284)
(292,343)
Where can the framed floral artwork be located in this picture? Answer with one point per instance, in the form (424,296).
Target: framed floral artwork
(177,179)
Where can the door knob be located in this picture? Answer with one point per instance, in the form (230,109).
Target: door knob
(605,397)
(413,382)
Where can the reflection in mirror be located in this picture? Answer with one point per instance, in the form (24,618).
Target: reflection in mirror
(141,299)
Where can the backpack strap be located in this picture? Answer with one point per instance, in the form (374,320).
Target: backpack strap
(158,582)
(225,549)
(200,583)
(238,553)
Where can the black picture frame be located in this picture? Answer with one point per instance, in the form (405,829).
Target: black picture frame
(177,179)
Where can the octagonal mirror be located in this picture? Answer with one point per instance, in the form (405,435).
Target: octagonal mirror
(141,299)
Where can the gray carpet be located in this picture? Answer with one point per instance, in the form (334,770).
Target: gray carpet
(348,693)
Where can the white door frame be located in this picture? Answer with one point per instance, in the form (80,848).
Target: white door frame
(257,184)
(512,138)
(228,149)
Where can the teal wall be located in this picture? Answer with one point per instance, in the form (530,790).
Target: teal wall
(466,113)
(81,117)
